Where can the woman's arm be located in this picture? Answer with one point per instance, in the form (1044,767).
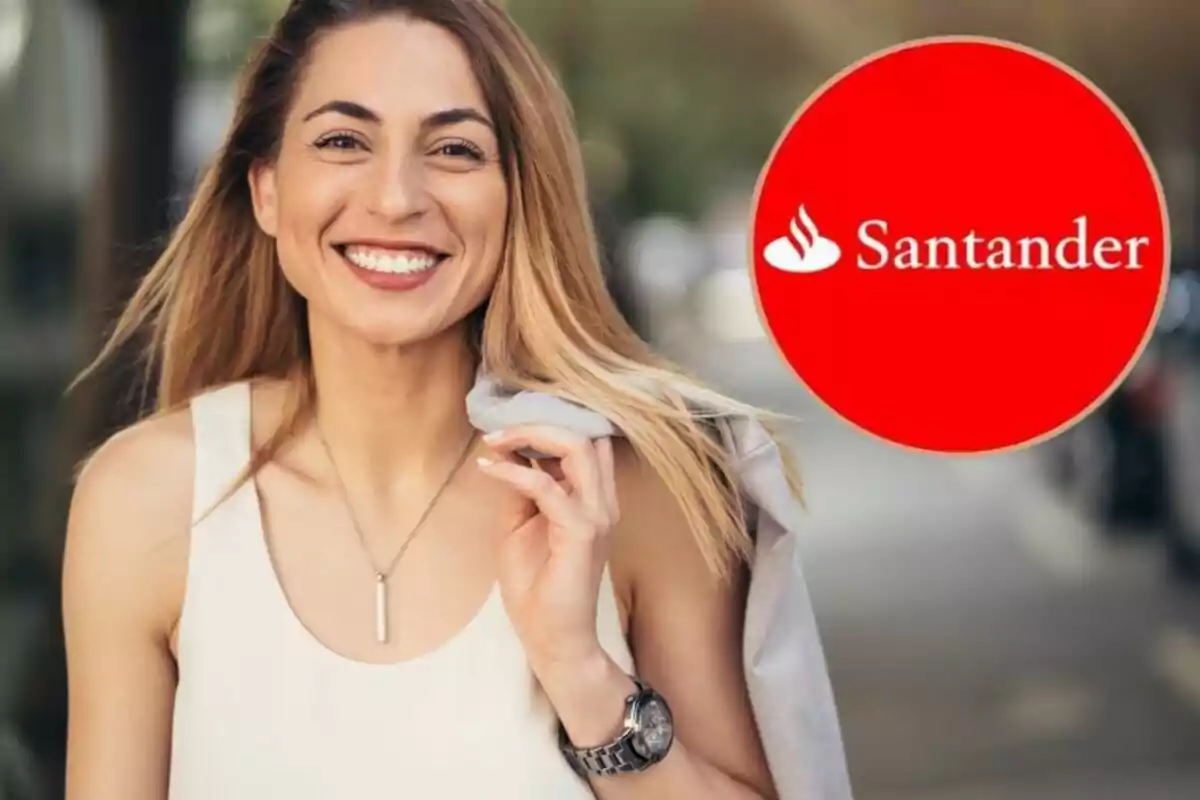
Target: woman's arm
(686,631)
(123,573)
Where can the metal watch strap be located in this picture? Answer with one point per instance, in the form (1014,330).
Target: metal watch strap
(614,758)
(610,759)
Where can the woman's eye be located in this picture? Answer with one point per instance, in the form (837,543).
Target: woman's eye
(337,141)
(460,150)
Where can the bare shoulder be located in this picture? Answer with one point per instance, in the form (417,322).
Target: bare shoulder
(640,490)
(144,470)
(651,516)
(130,516)
(652,531)
(635,498)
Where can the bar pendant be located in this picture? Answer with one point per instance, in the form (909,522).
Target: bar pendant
(380,609)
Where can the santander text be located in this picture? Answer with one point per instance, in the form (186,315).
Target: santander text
(1071,252)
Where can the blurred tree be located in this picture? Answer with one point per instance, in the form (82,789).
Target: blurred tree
(124,223)
(689,92)
(222,32)
(128,215)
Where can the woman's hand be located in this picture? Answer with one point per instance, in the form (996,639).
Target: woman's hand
(551,564)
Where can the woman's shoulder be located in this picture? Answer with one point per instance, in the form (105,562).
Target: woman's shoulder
(152,462)
(147,463)
(652,537)
(129,520)
(646,504)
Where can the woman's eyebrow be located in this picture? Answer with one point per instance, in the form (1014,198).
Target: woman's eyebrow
(438,119)
(451,116)
(346,107)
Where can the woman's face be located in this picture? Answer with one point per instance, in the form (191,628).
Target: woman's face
(387,201)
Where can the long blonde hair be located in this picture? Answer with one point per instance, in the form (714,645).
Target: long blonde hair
(216,308)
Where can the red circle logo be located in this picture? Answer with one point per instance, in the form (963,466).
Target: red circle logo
(960,245)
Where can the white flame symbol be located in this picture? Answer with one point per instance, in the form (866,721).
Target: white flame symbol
(816,253)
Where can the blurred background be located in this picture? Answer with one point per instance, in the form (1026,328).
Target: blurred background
(1016,626)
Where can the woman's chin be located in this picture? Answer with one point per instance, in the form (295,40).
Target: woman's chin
(388,333)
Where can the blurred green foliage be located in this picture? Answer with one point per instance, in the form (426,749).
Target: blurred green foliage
(221,33)
(692,93)
(673,98)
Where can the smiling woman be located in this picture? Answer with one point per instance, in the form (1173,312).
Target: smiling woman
(398,213)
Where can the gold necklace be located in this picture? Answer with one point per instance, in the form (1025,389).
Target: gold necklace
(382,575)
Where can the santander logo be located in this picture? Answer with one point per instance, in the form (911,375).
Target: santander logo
(959,245)
(809,251)
(802,252)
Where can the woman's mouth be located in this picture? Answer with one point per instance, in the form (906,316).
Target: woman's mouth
(389,269)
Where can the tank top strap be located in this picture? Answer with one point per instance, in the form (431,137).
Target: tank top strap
(221,431)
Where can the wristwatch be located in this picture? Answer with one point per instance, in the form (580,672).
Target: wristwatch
(644,740)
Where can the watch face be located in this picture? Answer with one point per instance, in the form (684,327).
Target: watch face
(655,729)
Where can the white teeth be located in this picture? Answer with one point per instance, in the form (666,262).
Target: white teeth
(395,262)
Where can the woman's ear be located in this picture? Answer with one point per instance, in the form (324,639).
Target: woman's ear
(264,196)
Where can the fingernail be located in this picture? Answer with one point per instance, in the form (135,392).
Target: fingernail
(493,436)
(484,462)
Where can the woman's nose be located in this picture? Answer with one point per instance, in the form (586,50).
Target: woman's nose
(398,189)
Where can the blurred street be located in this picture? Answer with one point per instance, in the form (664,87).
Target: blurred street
(985,642)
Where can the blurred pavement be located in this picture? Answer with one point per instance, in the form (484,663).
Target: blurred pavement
(985,643)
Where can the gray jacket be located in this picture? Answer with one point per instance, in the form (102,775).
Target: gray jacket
(784,662)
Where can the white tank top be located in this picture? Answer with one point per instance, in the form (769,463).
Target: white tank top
(264,710)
